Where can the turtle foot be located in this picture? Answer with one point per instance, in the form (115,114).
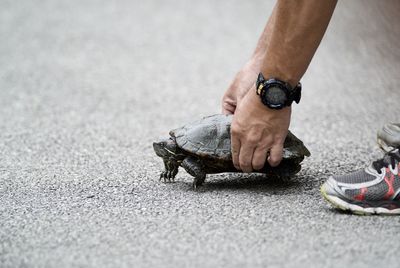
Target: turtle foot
(169,175)
(198,182)
(163,176)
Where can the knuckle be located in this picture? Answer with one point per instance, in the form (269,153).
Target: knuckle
(264,146)
(252,139)
(235,130)
(266,141)
(279,140)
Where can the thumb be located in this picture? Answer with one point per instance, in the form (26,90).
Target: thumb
(228,108)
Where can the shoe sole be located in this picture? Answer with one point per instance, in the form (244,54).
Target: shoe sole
(340,204)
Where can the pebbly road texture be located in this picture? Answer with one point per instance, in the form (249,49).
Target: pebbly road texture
(87,86)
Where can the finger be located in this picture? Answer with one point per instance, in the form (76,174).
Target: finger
(245,157)
(259,157)
(235,149)
(275,155)
(228,108)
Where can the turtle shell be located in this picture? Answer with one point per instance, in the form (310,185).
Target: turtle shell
(210,138)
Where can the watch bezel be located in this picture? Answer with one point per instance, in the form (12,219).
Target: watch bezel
(265,98)
(263,86)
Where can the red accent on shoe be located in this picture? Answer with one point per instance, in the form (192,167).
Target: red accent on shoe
(361,195)
(389,181)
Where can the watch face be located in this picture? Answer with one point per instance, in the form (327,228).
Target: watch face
(275,97)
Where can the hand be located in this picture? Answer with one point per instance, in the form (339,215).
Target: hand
(240,85)
(257,130)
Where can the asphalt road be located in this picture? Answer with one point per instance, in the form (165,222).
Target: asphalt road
(87,86)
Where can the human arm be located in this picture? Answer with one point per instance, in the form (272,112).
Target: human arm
(298,28)
(244,79)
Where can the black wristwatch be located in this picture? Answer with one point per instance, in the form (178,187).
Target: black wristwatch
(277,94)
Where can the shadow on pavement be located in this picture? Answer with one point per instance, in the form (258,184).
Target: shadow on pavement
(256,183)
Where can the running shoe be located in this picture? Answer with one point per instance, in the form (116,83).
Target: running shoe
(373,190)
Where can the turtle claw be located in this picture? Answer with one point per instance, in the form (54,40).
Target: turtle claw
(171,174)
(198,182)
(164,176)
(168,176)
(170,171)
(174,172)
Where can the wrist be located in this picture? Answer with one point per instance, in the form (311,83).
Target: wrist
(255,63)
(290,76)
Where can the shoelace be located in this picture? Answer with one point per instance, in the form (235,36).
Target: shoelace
(389,158)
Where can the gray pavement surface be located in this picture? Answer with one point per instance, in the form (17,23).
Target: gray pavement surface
(87,86)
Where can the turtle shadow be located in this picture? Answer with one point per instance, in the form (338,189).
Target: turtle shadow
(252,182)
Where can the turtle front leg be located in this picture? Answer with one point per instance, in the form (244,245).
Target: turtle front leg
(194,167)
(171,169)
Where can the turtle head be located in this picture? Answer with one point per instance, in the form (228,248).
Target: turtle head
(167,148)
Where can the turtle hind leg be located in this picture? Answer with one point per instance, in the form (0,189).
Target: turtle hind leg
(194,167)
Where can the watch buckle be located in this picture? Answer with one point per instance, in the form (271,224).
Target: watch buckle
(259,89)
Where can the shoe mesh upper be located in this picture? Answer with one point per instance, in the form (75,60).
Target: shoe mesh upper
(376,192)
(373,193)
(396,186)
(359,176)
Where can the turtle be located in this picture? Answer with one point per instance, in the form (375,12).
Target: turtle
(204,147)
